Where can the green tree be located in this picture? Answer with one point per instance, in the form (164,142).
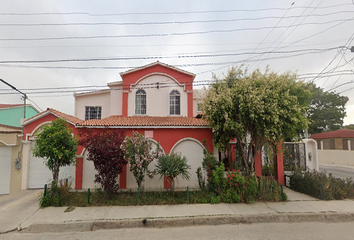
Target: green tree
(55,143)
(350,126)
(327,110)
(254,107)
(172,166)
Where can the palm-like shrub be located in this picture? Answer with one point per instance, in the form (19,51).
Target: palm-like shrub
(172,166)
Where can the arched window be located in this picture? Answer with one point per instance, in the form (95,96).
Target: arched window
(175,103)
(140,102)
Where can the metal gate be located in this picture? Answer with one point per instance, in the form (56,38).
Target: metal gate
(294,156)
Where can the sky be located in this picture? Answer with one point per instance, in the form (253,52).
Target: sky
(49,49)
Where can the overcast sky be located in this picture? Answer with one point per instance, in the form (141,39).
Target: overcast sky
(50,48)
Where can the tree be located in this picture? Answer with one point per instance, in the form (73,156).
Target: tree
(172,166)
(350,126)
(254,107)
(55,143)
(138,152)
(327,110)
(103,146)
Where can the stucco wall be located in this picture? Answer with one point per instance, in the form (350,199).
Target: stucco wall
(93,100)
(157,100)
(338,157)
(116,100)
(13,116)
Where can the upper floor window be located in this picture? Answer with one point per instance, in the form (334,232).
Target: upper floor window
(175,103)
(93,113)
(140,102)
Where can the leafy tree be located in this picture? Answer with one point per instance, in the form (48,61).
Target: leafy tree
(55,143)
(172,166)
(104,149)
(138,152)
(254,107)
(350,126)
(327,110)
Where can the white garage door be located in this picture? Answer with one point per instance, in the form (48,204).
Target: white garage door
(5,169)
(194,153)
(39,174)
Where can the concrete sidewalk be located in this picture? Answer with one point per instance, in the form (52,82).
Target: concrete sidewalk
(298,208)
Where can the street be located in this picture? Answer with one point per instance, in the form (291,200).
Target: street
(338,171)
(274,231)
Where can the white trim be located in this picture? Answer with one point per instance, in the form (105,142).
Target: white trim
(137,114)
(169,103)
(43,114)
(115,83)
(78,94)
(133,85)
(157,63)
(158,144)
(28,135)
(7,145)
(186,139)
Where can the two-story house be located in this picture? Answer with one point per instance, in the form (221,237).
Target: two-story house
(157,101)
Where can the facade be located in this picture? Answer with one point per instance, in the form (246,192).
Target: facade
(156,100)
(10,145)
(335,147)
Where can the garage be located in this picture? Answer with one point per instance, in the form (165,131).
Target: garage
(5,169)
(39,174)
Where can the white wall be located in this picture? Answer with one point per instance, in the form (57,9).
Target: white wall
(194,153)
(116,100)
(93,100)
(338,157)
(157,100)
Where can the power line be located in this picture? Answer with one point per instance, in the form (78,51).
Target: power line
(170,34)
(162,13)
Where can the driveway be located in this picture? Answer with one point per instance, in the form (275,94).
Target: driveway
(16,208)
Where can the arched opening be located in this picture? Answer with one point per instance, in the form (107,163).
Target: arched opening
(269,160)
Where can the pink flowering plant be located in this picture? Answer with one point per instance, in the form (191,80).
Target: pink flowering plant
(138,152)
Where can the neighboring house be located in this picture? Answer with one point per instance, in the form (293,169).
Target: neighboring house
(10,145)
(335,147)
(12,114)
(156,100)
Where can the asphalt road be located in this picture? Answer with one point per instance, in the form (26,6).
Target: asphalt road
(274,231)
(338,171)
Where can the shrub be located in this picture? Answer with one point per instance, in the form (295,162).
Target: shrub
(319,185)
(270,190)
(172,166)
(104,149)
(209,163)
(138,152)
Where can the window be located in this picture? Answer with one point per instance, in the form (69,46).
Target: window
(92,113)
(345,144)
(199,107)
(328,144)
(175,105)
(140,102)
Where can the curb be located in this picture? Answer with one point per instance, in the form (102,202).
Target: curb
(328,217)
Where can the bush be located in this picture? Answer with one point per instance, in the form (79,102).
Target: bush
(55,195)
(319,185)
(270,190)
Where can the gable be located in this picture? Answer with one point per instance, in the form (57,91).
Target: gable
(12,116)
(134,76)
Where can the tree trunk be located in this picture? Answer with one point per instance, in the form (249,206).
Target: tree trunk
(172,184)
(55,174)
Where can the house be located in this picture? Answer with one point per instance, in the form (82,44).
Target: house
(156,100)
(10,145)
(335,147)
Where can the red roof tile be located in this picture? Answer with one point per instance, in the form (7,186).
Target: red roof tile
(342,133)
(10,105)
(120,121)
(65,116)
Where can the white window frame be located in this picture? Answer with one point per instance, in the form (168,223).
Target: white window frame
(140,102)
(173,109)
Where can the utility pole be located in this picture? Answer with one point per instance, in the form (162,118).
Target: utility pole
(18,159)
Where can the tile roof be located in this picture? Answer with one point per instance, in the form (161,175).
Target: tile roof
(11,105)
(342,133)
(138,121)
(65,116)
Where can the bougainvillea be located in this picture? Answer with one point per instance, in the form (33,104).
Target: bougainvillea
(103,146)
(138,152)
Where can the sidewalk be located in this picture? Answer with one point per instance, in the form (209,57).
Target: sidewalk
(299,208)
